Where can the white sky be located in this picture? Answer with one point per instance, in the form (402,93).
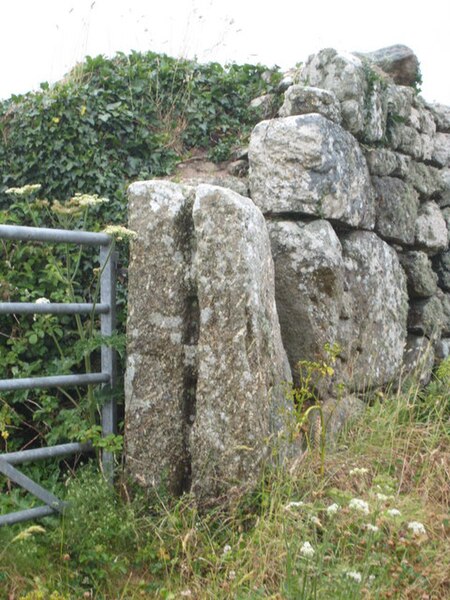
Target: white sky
(42,39)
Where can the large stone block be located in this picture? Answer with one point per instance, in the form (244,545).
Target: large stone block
(420,277)
(241,407)
(161,338)
(383,162)
(303,99)
(425,179)
(441,264)
(344,75)
(372,335)
(308,165)
(426,317)
(431,229)
(398,61)
(396,209)
(309,282)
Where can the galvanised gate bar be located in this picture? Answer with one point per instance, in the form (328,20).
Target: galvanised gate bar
(107,377)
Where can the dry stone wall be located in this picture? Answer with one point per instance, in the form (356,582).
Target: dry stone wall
(344,239)
(357,146)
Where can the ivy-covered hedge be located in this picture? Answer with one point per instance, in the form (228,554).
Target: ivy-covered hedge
(132,117)
(109,122)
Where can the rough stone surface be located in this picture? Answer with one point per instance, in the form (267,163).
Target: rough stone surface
(420,277)
(445,302)
(310,166)
(396,205)
(441,264)
(399,100)
(241,408)
(373,333)
(159,341)
(426,317)
(441,114)
(375,114)
(383,162)
(444,199)
(230,182)
(344,75)
(441,150)
(337,414)
(265,105)
(425,179)
(418,359)
(398,61)
(309,286)
(301,100)
(206,371)
(421,118)
(408,140)
(443,349)
(431,229)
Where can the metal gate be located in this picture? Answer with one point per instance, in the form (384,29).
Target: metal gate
(107,377)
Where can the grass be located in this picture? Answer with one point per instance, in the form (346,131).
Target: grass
(385,535)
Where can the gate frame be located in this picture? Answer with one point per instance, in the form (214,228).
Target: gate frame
(106,308)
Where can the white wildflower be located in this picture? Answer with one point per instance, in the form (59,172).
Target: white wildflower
(354,575)
(360,505)
(417,528)
(25,190)
(333,509)
(382,497)
(358,471)
(294,505)
(226,549)
(394,512)
(307,550)
(42,301)
(119,232)
(186,593)
(232,575)
(371,527)
(89,199)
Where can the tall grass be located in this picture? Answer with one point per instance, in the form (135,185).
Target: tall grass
(375,525)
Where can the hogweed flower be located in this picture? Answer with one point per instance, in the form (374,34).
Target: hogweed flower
(89,199)
(359,505)
(42,300)
(394,512)
(119,232)
(371,527)
(226,549)
(25,190)
(307,550)
(417,528)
